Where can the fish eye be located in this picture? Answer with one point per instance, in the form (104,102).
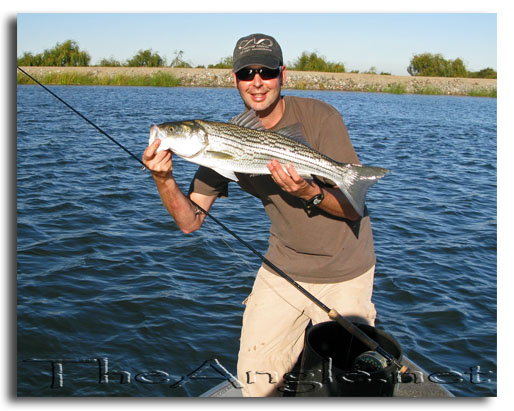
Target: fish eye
(171,129)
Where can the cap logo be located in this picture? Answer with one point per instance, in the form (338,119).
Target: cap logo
(252,43)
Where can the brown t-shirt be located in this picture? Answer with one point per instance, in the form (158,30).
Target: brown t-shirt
(316,248)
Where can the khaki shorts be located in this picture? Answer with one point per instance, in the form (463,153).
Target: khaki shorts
(274,322)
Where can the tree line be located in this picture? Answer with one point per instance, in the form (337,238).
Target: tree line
(425,64)
(435,65)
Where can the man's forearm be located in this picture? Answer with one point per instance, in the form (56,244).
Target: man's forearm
(336,204)
(185,214)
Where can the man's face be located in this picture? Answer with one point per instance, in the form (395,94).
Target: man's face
(259,94)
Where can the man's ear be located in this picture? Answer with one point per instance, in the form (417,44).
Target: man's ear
(283,76)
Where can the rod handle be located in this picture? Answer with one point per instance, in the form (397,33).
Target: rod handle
(353,329)
(361,335)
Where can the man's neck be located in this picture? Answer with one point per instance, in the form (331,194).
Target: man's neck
(271,116)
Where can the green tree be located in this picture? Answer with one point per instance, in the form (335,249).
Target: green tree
(456,68)
(372,70)
(66,54)
(224,63)
(110,62)
(484,73)
(313,62)
(435,65)
(28,59)
(425,64)
(63,54)
(178,62)
(146,58)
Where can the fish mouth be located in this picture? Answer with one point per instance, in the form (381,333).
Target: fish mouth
(154,133)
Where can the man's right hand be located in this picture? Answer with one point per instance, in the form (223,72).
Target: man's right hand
(159,164)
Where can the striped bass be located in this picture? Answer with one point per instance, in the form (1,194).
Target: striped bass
(244,146)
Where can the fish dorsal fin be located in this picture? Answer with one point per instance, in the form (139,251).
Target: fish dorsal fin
(248,119)
(294,132)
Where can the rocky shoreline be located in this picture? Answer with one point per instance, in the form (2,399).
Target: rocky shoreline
(199,77)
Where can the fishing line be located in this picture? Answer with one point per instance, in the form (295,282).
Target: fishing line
(215,230)
(332,313)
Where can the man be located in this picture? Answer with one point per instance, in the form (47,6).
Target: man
(316,236)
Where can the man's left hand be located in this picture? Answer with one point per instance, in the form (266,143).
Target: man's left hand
(291,182)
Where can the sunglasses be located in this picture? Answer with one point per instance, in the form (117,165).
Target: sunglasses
(248,74)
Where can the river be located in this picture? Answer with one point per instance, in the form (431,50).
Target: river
(105,278)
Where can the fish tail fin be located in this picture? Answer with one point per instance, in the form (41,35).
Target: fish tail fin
(355,180)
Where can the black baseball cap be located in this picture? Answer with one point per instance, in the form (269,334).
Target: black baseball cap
(259,49)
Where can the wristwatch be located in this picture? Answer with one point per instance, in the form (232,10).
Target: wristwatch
(314,201)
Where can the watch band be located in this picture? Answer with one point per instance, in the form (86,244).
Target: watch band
(314,201)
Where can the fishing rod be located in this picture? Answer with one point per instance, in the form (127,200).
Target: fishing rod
(332,313)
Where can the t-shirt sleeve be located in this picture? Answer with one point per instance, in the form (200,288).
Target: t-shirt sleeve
(208,182)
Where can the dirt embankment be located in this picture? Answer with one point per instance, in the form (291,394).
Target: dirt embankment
(198,77)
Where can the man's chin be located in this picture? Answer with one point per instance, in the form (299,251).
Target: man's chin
(259,106)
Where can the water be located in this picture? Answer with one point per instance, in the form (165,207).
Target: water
(105,277)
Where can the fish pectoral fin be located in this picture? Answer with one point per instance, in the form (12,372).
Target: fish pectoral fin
(326,181)
(219,155)
(227,174)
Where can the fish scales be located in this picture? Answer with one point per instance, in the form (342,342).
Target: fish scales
(270,145)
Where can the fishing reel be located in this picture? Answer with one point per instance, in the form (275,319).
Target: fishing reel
(369,361)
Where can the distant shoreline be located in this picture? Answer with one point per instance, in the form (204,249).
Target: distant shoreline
(298,80)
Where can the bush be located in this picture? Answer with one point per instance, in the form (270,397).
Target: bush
(313,62)
(435,65)
(484,73)
(110,63)
(30,60)
(372,70)
(224,63)
(63,54)
(146,58)
(178,62)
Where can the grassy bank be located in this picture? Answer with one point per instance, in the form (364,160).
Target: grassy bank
(172,77)
(398,88)
(90,79)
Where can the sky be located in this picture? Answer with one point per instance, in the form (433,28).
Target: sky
(385,41)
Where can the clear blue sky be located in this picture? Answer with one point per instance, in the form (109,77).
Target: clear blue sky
(386,41)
